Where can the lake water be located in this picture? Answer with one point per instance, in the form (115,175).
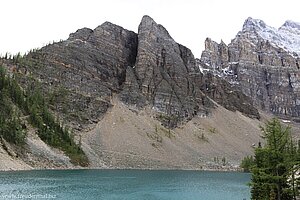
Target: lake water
(124,185)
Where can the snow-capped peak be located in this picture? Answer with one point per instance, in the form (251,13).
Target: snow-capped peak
(290,24)
(253,24)
(286,37)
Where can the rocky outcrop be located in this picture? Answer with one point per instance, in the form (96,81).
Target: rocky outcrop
(86,70)
(163,72)
(166,77)
(228,96)
(258,62)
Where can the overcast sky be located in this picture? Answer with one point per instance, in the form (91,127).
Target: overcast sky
(28,24)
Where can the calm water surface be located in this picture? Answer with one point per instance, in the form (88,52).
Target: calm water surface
(124,184)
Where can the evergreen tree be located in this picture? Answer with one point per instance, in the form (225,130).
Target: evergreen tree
(274,163)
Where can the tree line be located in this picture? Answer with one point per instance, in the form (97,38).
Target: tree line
(17,103)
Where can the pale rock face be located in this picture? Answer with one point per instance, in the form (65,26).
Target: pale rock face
(263,62)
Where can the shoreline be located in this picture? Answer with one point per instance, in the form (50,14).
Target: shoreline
(228,169)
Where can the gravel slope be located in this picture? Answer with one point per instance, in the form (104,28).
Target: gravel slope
(126,138)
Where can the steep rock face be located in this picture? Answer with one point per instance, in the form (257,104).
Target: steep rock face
(90,65)
(261,63)
(163,70)
(228,96)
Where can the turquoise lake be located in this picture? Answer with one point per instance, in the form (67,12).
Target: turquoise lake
(124,185)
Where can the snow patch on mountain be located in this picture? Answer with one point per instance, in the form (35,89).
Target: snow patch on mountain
(286,37)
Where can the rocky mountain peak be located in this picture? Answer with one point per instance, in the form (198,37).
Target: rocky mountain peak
(108,26)
(81,34)
(291,24)
(251,24)
(147,23)
(287,37)
(147,19)
(263,62)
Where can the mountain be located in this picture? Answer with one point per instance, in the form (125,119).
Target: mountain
(141,100)
(286,37)
(263,62)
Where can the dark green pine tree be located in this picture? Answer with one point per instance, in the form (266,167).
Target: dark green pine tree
(273,164)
